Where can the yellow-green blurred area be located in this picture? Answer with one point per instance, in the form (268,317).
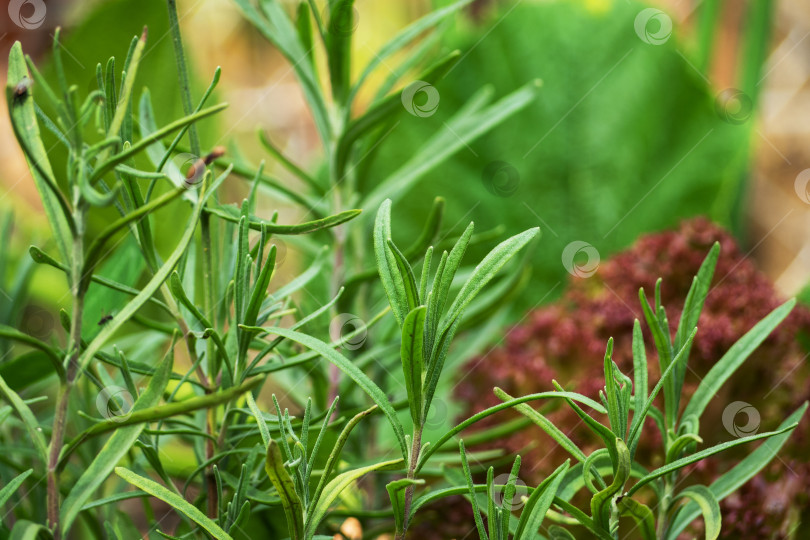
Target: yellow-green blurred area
(625,137)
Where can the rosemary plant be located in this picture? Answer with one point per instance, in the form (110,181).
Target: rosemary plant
(610,476)
(206,324)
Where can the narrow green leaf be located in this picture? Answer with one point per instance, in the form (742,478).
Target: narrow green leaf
(440,290)
(448,141)
(115,448)
(26,530)
(683,462)
(394,288)
(11,487)
(281,32)
(545,424)
(695,298)
(177,290)
(486,270)
(436,363)
(339,32)
(612,393)
(508,497)
(334,455)
(173,500)
(601,502)
(691,313)
(232,214)
(260,421)
(347,367)
(501,406)
(708,505)
(641,513)
(145,142)
(635,431)
(738,475)
(24,122)
(405,273)
(336,486)
(479,523)
(679,445)
(304,26)
(639,382)
(423,278)
(396,494)
(539,503)
(283,482)
(733,359)
(493,514)
(413,362)
(122,107)
(28,419)
(52,354)
(146,293)
(404,37)
(663,344)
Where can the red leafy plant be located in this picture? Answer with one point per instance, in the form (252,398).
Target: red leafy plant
(565,341)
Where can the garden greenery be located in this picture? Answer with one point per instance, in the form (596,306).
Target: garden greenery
(190,430)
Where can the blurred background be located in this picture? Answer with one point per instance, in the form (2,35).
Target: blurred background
(635,127)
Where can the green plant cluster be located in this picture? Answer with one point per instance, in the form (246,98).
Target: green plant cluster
(186,426)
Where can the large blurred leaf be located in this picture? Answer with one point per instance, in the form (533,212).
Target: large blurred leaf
(622,138)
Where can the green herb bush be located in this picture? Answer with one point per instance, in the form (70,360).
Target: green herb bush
(159,400)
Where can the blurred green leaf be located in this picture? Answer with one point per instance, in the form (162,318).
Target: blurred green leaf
(734,358)
(116,447)
(179,504)
(709,506)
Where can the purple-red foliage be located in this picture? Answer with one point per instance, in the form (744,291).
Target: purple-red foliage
(566,341)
